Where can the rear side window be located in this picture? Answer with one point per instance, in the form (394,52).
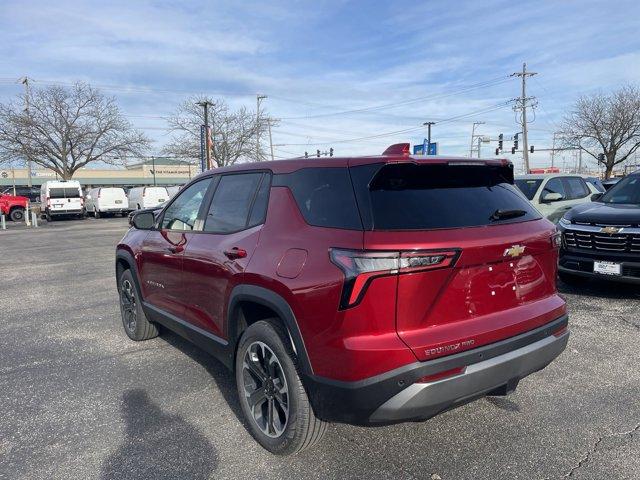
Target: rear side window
(423,197)
(232,201)
(324,196)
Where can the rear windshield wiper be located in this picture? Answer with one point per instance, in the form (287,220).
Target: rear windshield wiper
(505,214)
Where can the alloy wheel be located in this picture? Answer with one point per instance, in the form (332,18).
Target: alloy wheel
(265,388)
(128,302)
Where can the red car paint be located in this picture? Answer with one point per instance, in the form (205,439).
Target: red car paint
(9,203)
(482,298)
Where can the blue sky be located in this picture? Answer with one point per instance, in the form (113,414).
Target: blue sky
(316,58)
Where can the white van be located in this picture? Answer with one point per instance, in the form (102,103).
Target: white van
(147,197)
(105,200)
(61,197)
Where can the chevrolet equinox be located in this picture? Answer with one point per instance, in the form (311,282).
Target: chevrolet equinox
(364,290)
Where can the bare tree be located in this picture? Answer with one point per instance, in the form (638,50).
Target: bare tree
(65,129)
(234,133)
(607,127)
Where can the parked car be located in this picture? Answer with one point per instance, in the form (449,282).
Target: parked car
(368,290)
(61,198)
(602,239)
(596,182)
(105,201)
(610,182)
(554,194)
(13,206)
(32,193)
(146,197)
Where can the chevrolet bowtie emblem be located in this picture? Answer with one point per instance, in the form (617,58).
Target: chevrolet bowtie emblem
(514,251)
(610,230)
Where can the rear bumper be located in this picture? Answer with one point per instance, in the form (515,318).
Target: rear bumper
(395,396)
(53,212)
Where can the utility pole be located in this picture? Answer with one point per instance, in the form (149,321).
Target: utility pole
(259,98)
(270,139)
(27,94)
(205,105)
(428,125)
(553,149)
(522,105)
(473,137)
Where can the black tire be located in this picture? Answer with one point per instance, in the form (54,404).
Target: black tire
(135,322)
(300,428)
(48,216)
(17,215)
(571,279)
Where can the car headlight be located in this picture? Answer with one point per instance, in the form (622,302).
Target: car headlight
(565,221)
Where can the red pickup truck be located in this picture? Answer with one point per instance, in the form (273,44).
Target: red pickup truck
(13,206)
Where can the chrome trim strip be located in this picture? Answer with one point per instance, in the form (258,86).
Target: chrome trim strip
(594,229)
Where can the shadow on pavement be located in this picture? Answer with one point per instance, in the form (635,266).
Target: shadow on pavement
(221,375)
(600,288)
(158,445)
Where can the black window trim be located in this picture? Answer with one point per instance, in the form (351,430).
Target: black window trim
(207,201)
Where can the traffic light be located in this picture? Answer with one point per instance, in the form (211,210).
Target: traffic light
(331,152)
(318,153)
(306,154)
(500,138)
(513,150)
(498,151)
(601,157)
(531,149)
(515,141)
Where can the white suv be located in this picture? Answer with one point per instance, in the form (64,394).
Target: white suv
(554,194)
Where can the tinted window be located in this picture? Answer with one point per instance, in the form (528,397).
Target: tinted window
(528,186)
(626,191)
(229,210)
(576,188)
(259,209)
(183,211)
(324,196)
(555,185)
(64,193)
(420,197)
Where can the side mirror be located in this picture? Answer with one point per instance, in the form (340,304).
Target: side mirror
(143,220)
(595,197)
(549,197)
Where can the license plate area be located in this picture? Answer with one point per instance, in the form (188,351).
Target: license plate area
(607,268)
(118,202)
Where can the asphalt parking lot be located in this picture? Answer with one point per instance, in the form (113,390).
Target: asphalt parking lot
(78,399)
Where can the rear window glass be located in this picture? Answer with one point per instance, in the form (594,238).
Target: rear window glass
(231,204)
(420,197)
(528,186)
(324,196)
(64,193)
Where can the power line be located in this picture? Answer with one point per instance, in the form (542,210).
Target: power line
(405,102)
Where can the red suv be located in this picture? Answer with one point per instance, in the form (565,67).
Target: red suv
(365,290)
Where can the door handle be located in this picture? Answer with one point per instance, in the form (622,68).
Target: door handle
(175,249)
(235,252)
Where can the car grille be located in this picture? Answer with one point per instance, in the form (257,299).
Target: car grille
(617,242)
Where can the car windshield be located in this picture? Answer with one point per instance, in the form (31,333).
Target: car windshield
(626,191)
(528,186)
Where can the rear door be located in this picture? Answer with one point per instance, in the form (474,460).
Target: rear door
(162,250)
(502,281)
(215,258)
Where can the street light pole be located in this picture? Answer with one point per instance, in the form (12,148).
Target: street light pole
(428,125)
(259,98)
(153,163)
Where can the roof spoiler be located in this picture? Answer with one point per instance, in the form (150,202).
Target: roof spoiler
(397,149)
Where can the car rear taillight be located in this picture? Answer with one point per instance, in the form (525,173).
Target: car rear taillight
(48,201)
(360,267)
